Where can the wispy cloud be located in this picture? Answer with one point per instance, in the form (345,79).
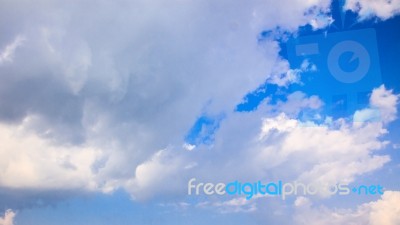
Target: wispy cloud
(7,54)
(369,8)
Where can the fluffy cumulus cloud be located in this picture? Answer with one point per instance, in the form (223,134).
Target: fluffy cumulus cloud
(162,171)
(27,161)
(383,107)
(272,143)
(87,99)
(384,211)
(383,9)
(93,102)
(8,218)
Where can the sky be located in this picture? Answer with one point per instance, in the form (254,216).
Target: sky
(109,108)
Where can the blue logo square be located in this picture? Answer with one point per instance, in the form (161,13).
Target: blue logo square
(347,68)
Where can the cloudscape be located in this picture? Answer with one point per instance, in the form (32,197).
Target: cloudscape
(199,112)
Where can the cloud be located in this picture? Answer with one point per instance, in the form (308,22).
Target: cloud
(330,152)
(380,8)
(96,97)
(7,54)
(88,100)
(162,171)
(28,161)
(386,102)
(234,205)
(384,211)
(93,103)
(282,75)
(383,107)
(319,153)
(8,218)
(271,143)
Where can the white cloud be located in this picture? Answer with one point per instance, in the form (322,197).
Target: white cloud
(8,218)
(28,161)
(319,153)
(383,107)
(90,99)
(386,102)
(381,8)
(282,75)
(297,102)
(385,211)
(188,147)
(8,52)
(366,115)
(269,146)
(103,94)
(234,205)
(321,22)
(160,174)
(329,153)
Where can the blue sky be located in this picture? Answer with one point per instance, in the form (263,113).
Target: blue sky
(107,110)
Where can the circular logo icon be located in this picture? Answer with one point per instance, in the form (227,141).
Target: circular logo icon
(358,52)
